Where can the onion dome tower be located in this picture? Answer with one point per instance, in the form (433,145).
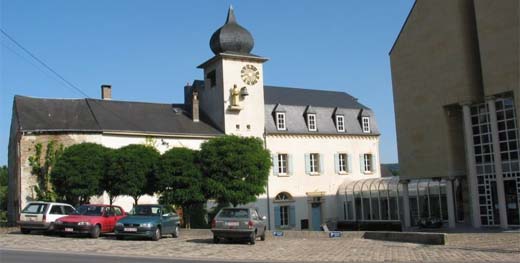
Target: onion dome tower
(231,37)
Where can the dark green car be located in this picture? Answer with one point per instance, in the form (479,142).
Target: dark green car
(151,221)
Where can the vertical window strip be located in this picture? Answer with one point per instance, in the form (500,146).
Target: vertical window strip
(282,164)
(342,162)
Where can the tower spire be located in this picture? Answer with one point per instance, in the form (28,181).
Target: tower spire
(231,15)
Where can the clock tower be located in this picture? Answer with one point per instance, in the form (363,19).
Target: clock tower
(233,92)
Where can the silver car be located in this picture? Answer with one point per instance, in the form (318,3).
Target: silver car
(238,223)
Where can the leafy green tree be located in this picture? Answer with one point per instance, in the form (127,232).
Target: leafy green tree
(3,187)
(179,180)
(78,172)
(132,171)
(235,168)
(41,167)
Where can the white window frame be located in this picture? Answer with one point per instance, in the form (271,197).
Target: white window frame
(280,121)
(314,163)
(284,216)
(342,163)
(312,122)
(365,121)
(283,164)
(367,163)
(340,123)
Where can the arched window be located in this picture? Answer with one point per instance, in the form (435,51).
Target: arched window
(283,197)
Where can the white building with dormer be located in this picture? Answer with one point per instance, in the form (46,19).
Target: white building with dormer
(319,139)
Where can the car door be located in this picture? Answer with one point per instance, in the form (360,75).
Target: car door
(259,223)
(167,220)
(110,219)
(55,212)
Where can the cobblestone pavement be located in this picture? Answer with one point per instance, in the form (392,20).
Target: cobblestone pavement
(467,247)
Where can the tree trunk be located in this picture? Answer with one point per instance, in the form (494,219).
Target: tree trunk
(135,200)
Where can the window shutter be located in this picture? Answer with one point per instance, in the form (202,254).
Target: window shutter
(349,163)
(292,216)
(336,162)
(307,164)
(361,163)
(374,164)
(275,164)
(289,164)
(277,219)
(322,168)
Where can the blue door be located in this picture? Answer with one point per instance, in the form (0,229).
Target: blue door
(316,216)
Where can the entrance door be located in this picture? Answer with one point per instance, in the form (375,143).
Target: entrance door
(512,207)
(316,216)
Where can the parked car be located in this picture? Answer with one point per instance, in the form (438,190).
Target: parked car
(42,215)
(152,221)
(90,219)
(238,223)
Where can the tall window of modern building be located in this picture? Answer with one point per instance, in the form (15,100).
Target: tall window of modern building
(367,165)
(282,164)
(366,124)
(314,163)
(340,123)
(311,121)
(280,121)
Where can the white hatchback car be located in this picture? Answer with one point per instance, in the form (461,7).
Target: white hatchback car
(41,215)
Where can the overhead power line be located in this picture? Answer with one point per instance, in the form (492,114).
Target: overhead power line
(43,63)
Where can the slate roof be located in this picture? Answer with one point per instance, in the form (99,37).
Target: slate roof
(304,97)
(92,115)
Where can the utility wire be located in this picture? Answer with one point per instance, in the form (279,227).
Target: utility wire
(44,64)
(137,126)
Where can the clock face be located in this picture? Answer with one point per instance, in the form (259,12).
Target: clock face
(250,74)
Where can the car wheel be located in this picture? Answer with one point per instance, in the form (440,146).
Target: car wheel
(157,234)
(216,240)
(176,231)
(95,232)
(252,238)
(262,237)
(118,237)
(25,230)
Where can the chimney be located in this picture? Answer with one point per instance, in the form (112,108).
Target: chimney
(106,92)
(195,105)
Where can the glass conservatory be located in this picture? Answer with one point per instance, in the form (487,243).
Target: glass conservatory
(381,200)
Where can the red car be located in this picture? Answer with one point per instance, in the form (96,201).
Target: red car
(90,219)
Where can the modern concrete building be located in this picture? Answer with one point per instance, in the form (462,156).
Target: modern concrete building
(318,139)
(456,82)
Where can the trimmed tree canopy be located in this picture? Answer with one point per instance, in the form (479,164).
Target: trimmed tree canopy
(131,169)
(78,172)
(236,169)
(179,180)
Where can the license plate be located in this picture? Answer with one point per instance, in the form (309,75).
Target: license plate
(130,229)
(68,229)
(231,223)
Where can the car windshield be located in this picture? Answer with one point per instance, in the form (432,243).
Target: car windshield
(90,210)
(234,213)
(146,210)
(35,208)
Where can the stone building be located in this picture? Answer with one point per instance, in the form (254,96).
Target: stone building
(456,82)
(318,139)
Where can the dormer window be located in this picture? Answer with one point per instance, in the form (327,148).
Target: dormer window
(365,121)
(280,121)
(340,123)
(311,122)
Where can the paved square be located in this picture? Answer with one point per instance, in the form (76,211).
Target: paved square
(467,247)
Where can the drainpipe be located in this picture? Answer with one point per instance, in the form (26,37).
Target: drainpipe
(268,203)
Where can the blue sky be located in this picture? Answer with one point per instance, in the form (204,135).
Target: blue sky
(148,50)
